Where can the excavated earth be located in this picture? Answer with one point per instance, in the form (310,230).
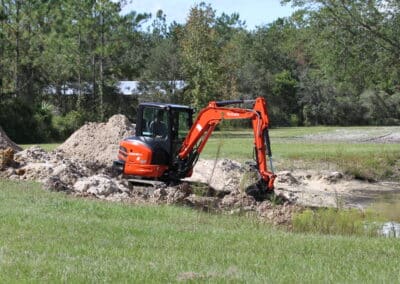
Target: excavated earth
(60,173)
(6,142)
(97,143)
(81,167)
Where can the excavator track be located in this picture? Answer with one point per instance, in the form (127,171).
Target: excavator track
(145,182)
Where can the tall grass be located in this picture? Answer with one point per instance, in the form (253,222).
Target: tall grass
(388,208)
(333,221)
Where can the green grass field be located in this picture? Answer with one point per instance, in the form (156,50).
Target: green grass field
(50,237)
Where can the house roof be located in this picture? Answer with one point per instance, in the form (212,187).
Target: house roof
(138,87)
(128,87)
(123,87)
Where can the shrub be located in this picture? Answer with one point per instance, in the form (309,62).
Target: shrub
(18,121)
(66,125)
(335,222)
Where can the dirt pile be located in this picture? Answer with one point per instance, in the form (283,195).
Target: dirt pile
(52,169)
(97,143)
(61,173)
(6,158)
(220,174)
(6,142)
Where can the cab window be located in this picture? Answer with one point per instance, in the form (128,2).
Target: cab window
(155,122)
(181,123)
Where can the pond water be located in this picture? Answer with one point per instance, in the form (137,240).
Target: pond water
(390,229)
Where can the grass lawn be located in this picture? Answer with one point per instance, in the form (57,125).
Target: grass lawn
(47,146)
(50,237)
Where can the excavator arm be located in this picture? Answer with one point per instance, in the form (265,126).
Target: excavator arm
(205,124)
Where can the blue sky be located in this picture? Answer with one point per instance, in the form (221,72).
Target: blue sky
(255,13)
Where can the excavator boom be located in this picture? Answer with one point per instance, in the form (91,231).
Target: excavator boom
(212,115)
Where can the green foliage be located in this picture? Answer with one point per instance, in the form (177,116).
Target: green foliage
(333,221)
(43,119)
(19,121)
(66,125)
(381,108)
(294,120)
(200,55)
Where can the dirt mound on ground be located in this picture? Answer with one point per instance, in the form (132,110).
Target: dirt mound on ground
(97,143)
(223,174)
(6,142)
(60,173)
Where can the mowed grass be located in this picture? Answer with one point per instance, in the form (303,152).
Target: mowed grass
(46,146)
(50,237)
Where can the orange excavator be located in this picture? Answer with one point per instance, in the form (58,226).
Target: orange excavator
(167,143)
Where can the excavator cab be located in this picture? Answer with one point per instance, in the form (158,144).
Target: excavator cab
(166,124)
(160,131)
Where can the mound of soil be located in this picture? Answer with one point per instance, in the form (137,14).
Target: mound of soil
(6,142)
(222,174)
(60,173)
(97,143)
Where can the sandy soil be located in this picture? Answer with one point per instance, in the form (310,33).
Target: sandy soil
(332,189)
(98,142)
(306,188)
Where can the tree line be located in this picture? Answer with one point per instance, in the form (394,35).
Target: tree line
(332,62)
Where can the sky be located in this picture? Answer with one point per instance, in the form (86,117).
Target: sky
(253,12)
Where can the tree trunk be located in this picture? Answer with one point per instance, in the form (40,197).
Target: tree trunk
(2,40)
(79,104)
(17,51)
(101,75)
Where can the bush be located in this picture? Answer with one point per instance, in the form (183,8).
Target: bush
(43,120)
(18,120)
(294,120)
(381,108)
(333,221)
(65,125)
